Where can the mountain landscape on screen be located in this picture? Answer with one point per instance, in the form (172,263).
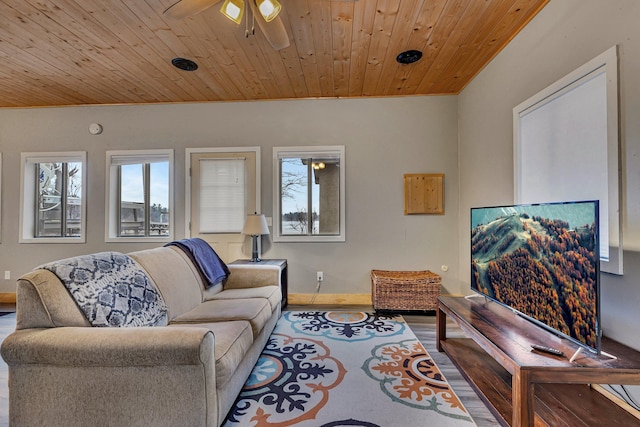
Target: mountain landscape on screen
(541,261)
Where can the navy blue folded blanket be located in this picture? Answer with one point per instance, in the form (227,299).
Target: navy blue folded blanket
(212,268)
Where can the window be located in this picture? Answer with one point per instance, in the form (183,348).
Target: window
(52,194)
(139,192)
(309,195)
(568,133)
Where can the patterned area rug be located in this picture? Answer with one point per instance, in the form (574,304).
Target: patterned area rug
(334,369)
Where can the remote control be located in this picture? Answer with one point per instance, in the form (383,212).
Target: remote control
(549,350)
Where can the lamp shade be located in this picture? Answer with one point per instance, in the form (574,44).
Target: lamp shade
(233,9)
(256,224)
(269,9)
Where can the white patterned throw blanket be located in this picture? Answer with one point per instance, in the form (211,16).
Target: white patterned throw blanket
(111,289)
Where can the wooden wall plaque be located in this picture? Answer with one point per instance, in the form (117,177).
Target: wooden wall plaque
(423,193)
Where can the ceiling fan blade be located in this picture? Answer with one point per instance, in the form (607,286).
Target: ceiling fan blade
(274,31)
(185,8)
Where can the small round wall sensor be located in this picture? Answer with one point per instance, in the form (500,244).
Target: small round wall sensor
(95,128)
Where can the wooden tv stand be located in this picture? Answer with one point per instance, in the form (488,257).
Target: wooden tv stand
(527,388)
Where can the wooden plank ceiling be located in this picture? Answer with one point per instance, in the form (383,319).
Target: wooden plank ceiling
(79,52)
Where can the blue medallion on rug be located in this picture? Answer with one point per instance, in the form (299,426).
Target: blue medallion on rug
(334,369)
(345,326)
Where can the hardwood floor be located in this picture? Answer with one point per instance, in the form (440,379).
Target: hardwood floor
(424,327)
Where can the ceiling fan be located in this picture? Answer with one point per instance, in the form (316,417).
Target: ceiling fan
(267,11)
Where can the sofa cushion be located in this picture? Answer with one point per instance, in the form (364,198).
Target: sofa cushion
(270,293)
(176,277)
(232,342)
(256,310)
(212,269)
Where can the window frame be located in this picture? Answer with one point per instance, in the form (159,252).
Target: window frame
(28,197)
(302,152)
(113,189)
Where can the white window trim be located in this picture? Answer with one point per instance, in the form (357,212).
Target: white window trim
(187,179)
(27,201)
(304,151)
(111,195)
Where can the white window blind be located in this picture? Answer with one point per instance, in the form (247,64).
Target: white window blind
(566,148)
(563,149)
(222,195)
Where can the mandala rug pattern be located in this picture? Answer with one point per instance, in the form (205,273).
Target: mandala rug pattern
(407,374)
(335,369)
(344,326)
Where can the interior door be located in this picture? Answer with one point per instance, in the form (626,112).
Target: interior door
(224,189)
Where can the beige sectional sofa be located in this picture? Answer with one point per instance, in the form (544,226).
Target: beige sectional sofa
(64,372)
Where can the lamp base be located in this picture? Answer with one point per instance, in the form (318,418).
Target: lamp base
(254,251)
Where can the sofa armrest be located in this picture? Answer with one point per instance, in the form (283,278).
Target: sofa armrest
(110,347)
(80,376)
(252,276)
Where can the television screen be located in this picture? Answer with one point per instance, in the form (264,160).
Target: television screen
(543,261)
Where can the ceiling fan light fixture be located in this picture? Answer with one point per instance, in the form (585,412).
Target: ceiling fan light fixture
(269,9)
(233,9)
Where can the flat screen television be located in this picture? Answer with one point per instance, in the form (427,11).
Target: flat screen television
(542,261)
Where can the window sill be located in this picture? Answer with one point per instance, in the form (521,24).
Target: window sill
(65,240)
(308,239)
(159,239)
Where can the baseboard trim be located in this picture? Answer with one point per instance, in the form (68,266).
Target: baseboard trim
(615,399)
(337,299)
(7,297)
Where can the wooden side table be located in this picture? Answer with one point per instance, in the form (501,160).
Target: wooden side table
(284,274)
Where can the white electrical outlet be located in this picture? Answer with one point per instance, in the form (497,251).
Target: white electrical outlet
(319,276)
(7,275)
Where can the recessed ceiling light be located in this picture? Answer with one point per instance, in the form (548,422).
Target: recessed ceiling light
(184,64)
(409,56)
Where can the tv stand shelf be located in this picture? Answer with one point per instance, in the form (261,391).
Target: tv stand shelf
(526,388)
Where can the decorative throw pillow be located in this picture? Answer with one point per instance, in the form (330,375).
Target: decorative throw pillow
(111,289)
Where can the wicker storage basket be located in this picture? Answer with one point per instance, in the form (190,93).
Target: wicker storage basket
(405,290)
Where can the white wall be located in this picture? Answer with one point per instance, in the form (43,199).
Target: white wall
(384,139)
(565,35)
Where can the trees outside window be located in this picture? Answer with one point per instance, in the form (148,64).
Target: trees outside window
(140,195)
(309,194)
(53,203)
(59,199)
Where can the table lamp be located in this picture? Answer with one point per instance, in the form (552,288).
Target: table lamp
(255,226)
